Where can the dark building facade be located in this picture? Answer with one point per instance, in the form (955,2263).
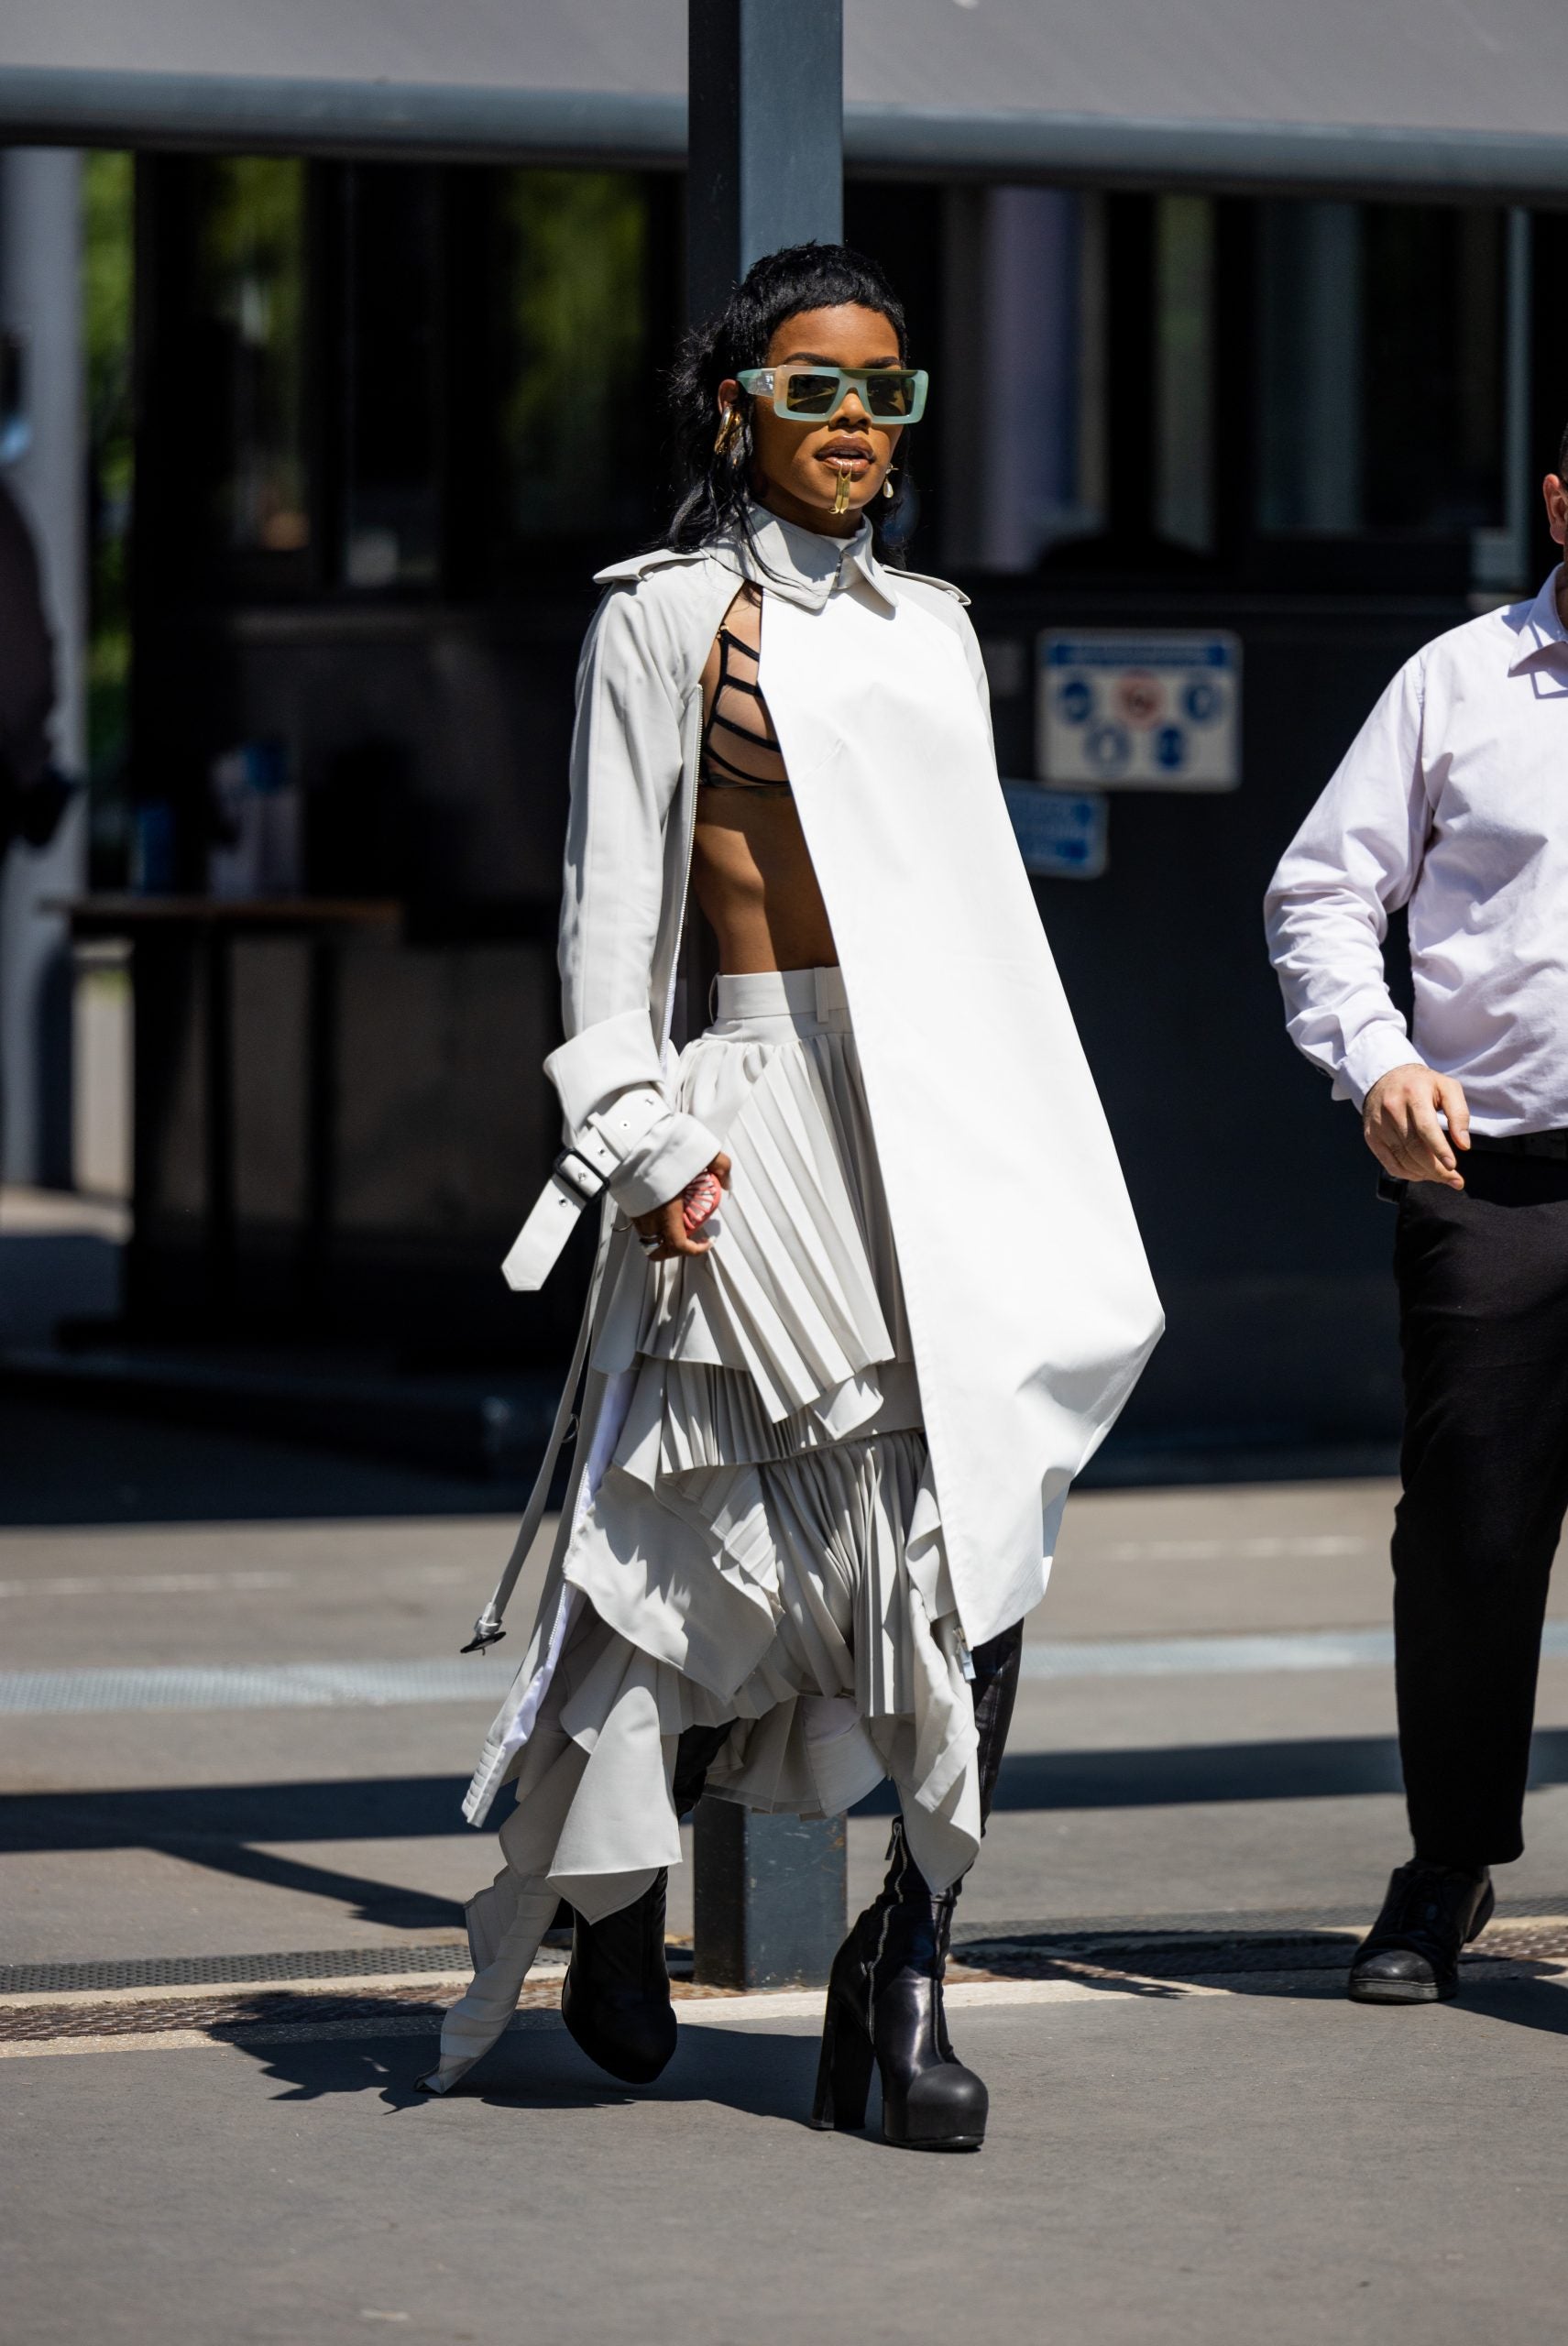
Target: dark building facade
(390,418)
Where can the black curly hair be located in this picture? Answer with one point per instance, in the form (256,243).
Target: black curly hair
(712,490)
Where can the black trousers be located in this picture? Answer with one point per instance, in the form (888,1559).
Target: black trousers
(1483,1280)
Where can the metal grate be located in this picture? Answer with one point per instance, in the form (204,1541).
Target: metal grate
(1164,1954)
(235,2015)
(203,1970)
(1264,1923)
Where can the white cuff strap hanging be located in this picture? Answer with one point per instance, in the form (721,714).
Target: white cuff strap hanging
(488,1630)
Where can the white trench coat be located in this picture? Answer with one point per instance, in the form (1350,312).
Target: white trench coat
(1030,1301)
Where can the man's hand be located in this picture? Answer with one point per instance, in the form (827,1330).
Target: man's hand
(1399,1119)
(663,1231)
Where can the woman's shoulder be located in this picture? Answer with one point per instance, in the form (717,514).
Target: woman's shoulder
(658,611)
(939,598)
(665,573)
(934,594)
(664,597)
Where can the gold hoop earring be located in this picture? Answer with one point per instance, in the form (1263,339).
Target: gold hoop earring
(729,431)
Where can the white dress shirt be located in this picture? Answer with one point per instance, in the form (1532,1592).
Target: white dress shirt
(1453,799)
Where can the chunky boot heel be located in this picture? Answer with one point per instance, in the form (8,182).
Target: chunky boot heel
(615,1999)
(884,2003)
(844,2072)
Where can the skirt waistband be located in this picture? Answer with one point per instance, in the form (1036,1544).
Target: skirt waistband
(805,997)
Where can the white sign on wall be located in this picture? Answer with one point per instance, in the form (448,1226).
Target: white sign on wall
(1119,710)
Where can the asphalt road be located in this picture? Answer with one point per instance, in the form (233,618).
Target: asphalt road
(1171,2159)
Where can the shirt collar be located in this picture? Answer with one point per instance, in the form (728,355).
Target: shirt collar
(804,568)
(1541,628)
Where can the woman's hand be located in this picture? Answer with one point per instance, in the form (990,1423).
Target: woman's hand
(663,1231)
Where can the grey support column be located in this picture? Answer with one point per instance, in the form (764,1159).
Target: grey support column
(765,145)
(769,1896)
(765,169)
(1521,492)
(39,268)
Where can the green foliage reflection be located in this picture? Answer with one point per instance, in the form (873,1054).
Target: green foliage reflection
(250,292)
(576,326)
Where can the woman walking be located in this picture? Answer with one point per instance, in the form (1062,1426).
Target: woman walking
(826,1433)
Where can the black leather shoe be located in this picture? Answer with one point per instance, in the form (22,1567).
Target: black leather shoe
(1410,1955)
(885,2004)
(615,1998)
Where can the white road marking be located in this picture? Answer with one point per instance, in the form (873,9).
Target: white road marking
(1162,1551)
(202,1583)
(339,1685)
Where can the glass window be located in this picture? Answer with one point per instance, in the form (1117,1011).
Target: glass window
(249,304)
(579,396)
(1024,374)
(391,388)
(108,245)
(1184,387)
(1380,330)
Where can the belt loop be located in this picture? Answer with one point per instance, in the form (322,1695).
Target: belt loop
(819,985)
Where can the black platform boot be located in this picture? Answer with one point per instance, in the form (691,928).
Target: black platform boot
(615,1999)
(885,2004)
(885,1993)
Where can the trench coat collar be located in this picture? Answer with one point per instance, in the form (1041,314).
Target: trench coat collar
(798,564)
(804,568)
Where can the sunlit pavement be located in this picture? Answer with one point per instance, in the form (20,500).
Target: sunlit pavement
(1194,2137)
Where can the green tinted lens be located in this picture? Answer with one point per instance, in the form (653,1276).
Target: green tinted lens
(890,393)
(809,394)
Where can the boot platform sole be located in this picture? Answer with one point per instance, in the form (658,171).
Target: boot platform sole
(905,2143)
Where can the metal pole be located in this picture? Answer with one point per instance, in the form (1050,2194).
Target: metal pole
(765,169)
(1520,508)
(765,137)
(40,205)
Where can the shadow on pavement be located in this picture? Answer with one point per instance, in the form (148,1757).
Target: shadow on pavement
(236,1829)
(539,2068)
(208,1816)
(1517,2000)
(60,1466)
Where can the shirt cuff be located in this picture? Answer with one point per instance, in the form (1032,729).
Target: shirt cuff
(1375,1052)
(672,1152)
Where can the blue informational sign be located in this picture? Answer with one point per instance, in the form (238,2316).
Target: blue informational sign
(1061,834)
(1151,710)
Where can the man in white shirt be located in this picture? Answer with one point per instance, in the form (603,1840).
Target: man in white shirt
(1453,800)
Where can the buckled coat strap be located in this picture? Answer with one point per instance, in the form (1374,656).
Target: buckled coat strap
(579,1174)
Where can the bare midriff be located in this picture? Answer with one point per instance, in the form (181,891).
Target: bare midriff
(751,872)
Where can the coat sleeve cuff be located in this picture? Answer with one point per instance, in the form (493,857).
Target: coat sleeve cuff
(600,1063)
(672,1153)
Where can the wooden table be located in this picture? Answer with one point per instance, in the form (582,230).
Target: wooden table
(211,925)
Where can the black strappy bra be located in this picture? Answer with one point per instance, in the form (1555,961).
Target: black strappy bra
(722,773)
